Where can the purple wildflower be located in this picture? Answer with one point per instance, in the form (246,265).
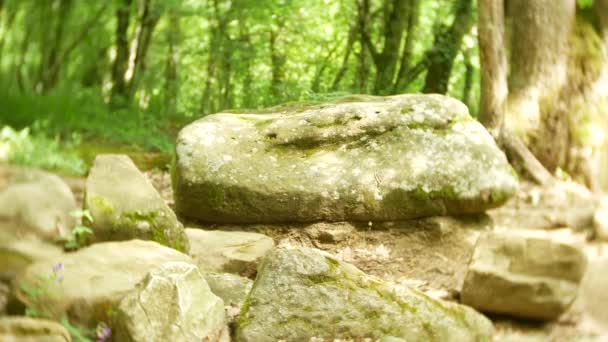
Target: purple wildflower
(58,267)
(103,332)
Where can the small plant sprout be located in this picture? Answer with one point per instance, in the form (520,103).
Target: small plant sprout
(80,235)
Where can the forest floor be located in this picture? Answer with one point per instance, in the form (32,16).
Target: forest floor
(432,254)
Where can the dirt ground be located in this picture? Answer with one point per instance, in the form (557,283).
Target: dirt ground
(431,255)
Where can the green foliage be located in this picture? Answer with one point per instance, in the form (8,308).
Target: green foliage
(33,148)
(80,235)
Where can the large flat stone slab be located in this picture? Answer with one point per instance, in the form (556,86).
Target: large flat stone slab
(361,159)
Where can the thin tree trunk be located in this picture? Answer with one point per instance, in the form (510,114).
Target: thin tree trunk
(408,46)
(363,13)
(23,50)
(49,72)
(147,20)
(469,73)
(352,35)
(278,60)
(446,47)
(249,55)
(493,65)
(6,20)
(171,65)
(386,61)
(121,61)
(316,82)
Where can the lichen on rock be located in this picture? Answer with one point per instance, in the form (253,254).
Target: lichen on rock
(383,158)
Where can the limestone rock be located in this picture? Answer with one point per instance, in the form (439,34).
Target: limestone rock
(229,252)
(527,277)
(124,205)
(16,253)
(88,282)
(233,289)
(37,201)
(173,303)
(359,159)
(25,329)
(301,294)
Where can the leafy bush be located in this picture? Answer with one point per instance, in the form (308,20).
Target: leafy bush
(30,147)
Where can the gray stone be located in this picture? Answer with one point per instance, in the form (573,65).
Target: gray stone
(86,283)
(302,293)
(232,288)
(37,201)
(16,253)
(25,329)
(124,205)
(527,277)
(228,252)
(359,159)
(173,303)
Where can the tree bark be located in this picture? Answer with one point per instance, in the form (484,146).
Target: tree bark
(408,46)
(171,65)
(352,35)
(446,48)
(493,65)
(277,60)
(147,19)
(540,32)
(121,61)
(396,14)
(361,79)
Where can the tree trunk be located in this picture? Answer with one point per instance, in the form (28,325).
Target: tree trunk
(352,35)
(446,48)
(147,19)
(361,79)
(249,55)
(121,61)
(408,46)
(469,74)
(171,65)
(540,31)
(492,107)
(277,60)
(396,14)
(316,82)
(49,71)
(493,65)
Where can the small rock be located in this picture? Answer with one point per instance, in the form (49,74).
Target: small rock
(86,283)
(38,201)
(228,252)
(330,233)
(233,289)
(527,277)
(124,205)
(172,303)
(25,329)
(302,293)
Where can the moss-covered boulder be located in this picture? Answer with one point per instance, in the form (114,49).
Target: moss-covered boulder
(300,294)
(523,276)
(124,205)
(172,303)
(88,284)
(367,158)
